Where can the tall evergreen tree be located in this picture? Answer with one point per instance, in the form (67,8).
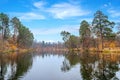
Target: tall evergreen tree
(101,26)
(4,25)
(25,37)
(16,24)
(84,33)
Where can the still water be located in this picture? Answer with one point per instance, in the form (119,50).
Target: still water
(53,66)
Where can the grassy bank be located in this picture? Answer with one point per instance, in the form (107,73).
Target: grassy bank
(9,51)
(105,50)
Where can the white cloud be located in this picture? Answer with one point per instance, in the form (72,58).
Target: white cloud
(65,10)
(57,30)
(105,5)
(61,10)
(39,4)
(58,11)
(114,13)
(30,16)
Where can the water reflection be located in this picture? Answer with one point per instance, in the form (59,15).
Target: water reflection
(94,66)
(71,66)
(14,66)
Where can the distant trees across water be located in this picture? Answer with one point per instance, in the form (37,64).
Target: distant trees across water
(96,35)
(48,46)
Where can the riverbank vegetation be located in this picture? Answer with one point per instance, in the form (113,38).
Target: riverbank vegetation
(48,46)
(14,36)
(96,36)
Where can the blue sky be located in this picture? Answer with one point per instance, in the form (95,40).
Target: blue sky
(47,18)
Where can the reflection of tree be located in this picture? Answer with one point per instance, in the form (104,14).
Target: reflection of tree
(95,66)
(23,63)
(18,64)
(69,62)
(86,71)
(66,65)
(107,68)
(87,62)
(3,68)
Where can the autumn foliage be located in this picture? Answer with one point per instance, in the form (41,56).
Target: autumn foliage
(14,35)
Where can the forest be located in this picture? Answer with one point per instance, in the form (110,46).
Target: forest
(99,35)
(60,40)
(14,36)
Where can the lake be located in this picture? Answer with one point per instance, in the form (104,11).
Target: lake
(58,66)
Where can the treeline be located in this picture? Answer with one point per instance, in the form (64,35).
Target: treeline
(47,46)
(97,35)
(13,34)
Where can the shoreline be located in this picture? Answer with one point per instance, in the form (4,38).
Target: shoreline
(60,50)
(16,51)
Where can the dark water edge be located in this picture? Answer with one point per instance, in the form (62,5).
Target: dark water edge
(59,66)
